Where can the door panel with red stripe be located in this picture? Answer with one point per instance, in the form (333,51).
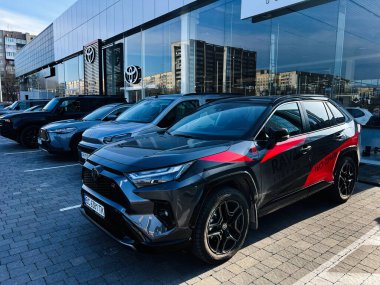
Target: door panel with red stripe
(327,139)
(284,167)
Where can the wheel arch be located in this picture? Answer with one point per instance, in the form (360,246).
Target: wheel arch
(22,127)
(74,139)
(351,152)
(243,181)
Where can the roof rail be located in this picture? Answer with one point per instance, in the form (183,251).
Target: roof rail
(282,97)
(213,93)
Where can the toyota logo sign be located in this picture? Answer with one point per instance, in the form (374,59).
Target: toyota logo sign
(89,54)
(133,74)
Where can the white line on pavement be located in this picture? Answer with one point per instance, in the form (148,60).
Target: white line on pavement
(21,152)
(70,208)
(54,167)
(323,270)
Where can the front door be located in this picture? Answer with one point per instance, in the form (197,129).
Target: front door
(284,167)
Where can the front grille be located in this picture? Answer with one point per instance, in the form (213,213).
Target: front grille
(91,140)
(44,135)
(105,187)
(86,149)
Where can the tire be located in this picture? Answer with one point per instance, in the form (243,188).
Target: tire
(345,176)
(74,146)
(28,137)
(222,226)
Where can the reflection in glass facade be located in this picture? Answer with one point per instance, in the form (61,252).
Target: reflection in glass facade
(331,49)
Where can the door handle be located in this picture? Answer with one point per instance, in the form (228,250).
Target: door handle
(305,149)
(339,136)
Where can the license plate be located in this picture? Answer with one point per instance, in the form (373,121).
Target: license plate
(95,206)
(39,141)
(85,155)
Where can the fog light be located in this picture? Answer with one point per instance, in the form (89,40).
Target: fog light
(163,211)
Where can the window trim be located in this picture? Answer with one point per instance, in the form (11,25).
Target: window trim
(274,111)
(326,106)
(162,116)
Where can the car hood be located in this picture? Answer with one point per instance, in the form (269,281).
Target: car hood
(16,115)
(114,128)
(156,151)
(79,124)
(7,112)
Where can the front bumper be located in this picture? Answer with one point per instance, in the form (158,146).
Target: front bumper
(7,130)
(56,143)
(87,149)
(132,218)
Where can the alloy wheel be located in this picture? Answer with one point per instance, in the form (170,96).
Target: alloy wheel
(225,227)
(346,180)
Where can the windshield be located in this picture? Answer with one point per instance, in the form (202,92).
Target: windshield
(230,120)
(98,114)
(145,111)
(51,105)
(13,106)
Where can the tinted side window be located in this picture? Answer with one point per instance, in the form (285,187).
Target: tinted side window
(70,106)
(118,111)
(91,105)
(178,112)
(356,113)
(317,115)
(287,116)
(339,117)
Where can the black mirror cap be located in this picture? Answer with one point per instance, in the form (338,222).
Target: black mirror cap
(277,135)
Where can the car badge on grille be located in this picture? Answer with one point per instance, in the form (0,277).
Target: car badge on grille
(95,173)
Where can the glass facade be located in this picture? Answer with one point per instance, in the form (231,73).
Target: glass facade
(66,79)
(331,49)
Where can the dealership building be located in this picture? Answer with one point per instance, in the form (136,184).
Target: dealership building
(139,48)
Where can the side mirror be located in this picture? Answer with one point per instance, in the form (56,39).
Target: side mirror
(60,111)
(275,136)
(110,118)
(162,131)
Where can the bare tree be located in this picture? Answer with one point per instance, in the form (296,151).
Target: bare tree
(10,87)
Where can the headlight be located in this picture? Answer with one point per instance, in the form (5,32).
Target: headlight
(8,121)
(116,138)
(63,131)
(158,176)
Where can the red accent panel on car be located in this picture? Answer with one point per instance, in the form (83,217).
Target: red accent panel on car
(323,170)
(227,157)
(283,146)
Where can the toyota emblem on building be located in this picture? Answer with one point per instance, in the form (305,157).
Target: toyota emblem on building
(133,74)
(89,54)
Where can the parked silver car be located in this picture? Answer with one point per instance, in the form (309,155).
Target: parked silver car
(151,115)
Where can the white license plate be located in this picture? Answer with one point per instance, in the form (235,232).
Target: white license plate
(99,209)
(85,155)
(39,141)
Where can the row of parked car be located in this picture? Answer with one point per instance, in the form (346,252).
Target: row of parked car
(196,169)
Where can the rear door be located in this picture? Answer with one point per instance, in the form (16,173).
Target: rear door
(284,167)
(325,136)
(70,109)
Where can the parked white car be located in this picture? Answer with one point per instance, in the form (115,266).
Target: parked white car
(360,115)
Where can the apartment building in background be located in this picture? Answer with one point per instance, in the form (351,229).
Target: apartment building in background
(10,43)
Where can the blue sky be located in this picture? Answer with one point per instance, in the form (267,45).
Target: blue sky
(30,15)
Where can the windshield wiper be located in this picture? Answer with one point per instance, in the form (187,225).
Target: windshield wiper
(182,135)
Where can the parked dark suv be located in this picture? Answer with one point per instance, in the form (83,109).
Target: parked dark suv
(24,127)
(217,171)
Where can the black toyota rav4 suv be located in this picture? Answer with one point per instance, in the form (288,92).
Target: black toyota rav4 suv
(214,173)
